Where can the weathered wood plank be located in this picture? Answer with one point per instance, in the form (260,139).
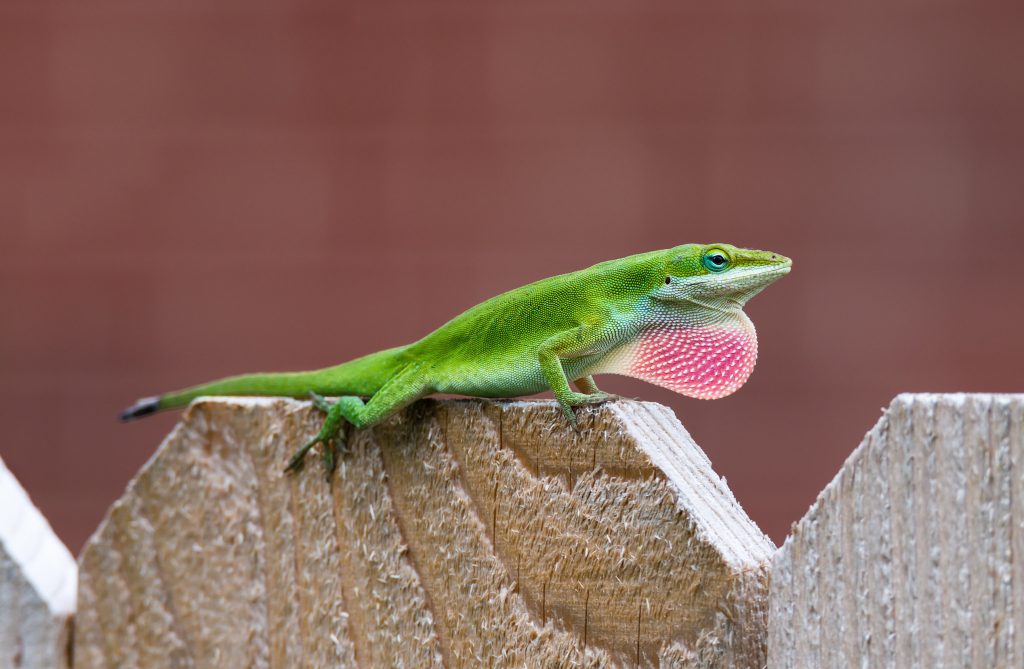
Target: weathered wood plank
(37,585)
(913,556)
(458,534)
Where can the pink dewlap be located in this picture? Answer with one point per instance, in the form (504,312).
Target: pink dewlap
(703,362)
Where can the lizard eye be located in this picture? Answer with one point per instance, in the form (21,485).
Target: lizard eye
(716,261)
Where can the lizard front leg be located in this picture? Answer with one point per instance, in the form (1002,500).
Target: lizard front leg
(587,385)
(576,343)
(402,389)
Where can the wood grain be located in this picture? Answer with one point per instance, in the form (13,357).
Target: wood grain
(457,534)
(913,556)
(37,585)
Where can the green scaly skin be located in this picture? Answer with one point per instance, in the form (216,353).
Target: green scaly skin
(673,317)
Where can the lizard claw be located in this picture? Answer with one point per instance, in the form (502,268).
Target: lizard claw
(329,453)
(598,398)
(320,402)
(570,415)
(295,461)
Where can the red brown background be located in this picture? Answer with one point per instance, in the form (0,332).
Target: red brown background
(193,189)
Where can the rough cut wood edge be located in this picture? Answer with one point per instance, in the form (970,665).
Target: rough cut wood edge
(38,577)
(458,534)
(913,556)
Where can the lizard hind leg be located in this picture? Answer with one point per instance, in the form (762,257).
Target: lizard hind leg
(402,389)
(328,435)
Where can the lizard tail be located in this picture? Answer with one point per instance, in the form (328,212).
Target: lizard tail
(362,377)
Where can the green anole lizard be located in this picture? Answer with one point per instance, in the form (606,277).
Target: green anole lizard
(672,317)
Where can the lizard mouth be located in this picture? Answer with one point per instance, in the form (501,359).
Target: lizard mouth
(767,271)
(726,293)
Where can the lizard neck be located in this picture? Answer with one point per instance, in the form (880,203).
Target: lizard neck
(697,353)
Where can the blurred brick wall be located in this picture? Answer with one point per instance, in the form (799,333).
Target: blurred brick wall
(192,189)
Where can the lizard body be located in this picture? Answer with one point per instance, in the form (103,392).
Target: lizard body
(671,317)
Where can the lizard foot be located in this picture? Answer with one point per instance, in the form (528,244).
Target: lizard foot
(583,399)
(328,436)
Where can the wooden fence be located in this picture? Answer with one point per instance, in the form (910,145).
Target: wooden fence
(488,534)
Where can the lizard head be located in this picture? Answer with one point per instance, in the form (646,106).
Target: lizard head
(719,276)
(697,341)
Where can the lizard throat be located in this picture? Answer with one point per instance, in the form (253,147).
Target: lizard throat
(701,361)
